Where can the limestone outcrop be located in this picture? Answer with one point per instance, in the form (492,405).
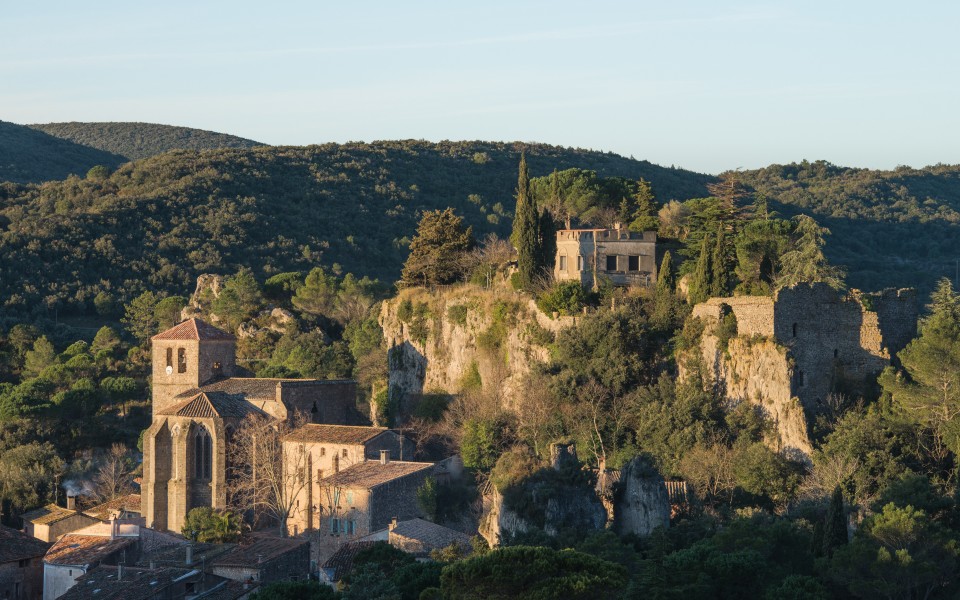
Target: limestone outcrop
(460,337)
(640,500)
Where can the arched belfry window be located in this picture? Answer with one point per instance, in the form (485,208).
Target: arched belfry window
(203,453)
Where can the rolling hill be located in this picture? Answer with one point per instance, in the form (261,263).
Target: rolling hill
(30,155)
(159,222)
(142,140)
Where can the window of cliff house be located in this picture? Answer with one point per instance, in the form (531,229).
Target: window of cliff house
(794,330)
(323,451)
(349,498)
(612,262)
(344,452)
(633,263)
(170,358)
(181,360)
(563,263)
(836,353)
(579,263)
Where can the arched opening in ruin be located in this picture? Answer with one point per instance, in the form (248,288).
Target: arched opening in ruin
(794,330)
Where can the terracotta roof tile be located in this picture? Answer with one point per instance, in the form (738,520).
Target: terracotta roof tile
(47,515)
(342,560)
(82,550)
(129,503)
(334,434)
(16,545)
(208,405)
(371,473)
(194,329)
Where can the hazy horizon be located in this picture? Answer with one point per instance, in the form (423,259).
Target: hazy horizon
(703,87)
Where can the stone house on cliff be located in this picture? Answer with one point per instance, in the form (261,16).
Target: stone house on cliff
(200,398)
(794,349)
(625,257)
(21,565)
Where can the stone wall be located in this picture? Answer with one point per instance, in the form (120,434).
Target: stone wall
(396,499)
(807,342)
(325,401)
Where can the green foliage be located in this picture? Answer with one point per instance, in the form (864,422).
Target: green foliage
(565,297)
(484,440)
(28,474)
(317,294)
(806,263)
(898,553)
(666,282)
(295,590)
(532,574)
(208,525)
(427,499)
(720,266)
(98,172)
(140,316)
(167,311)
(526,236)
(438,250)
(700,283)
(758,247)
(238,300)
(282,286)
(39,358)
(726,327)
(458,314)
(835,524)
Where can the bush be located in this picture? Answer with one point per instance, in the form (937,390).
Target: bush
(458,314)
(565,297)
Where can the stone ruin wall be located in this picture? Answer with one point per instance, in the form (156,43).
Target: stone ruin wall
(814,340)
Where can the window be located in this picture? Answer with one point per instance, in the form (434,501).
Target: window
(612,262)
(794,330)
(181,360)
(351,527)
(202,453)
(633,263)
(344,452)
(334,525)
(349,498)
(563,263)
(323,451)
(579,263)
(170,357)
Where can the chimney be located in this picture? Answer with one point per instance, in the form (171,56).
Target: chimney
(392,525)
(384,457)
(114,529)
(71,501)
(189,560)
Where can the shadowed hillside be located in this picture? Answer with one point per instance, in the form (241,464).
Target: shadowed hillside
(142,140)
(158,223)
(29,155)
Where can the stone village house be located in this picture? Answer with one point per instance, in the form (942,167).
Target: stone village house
(625,257)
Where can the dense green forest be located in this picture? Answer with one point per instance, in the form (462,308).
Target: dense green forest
(158,223)
(134,141)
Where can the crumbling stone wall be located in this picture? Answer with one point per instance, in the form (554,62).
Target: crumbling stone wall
(793,350)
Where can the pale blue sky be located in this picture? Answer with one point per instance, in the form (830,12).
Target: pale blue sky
(704,85)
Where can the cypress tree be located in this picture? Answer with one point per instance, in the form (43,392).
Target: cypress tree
(665,274)
(835,525)
(720,266)
(700,283)
(548,242)
(526,231)
(645,214)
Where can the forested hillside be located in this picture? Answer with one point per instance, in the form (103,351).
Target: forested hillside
(158,223)
(28,155)
(142,140)
(895,227)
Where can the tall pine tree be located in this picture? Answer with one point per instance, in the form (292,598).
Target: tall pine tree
(526,236)
(665,274)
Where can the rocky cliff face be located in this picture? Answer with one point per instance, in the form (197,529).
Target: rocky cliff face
(463,337)
(640,500)
(759,371)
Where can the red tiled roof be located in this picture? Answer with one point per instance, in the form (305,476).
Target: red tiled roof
(334,434)
(16,545)
(194,329)
(47,515)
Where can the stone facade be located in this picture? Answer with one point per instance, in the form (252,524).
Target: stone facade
(626,257)
(200,397)
(795,349)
